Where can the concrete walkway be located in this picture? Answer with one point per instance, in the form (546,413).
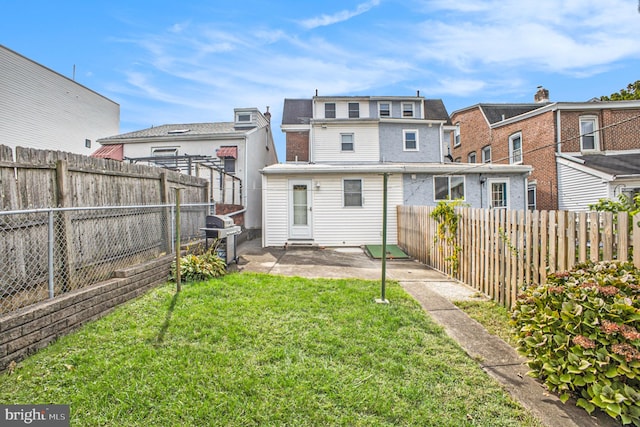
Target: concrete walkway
(435,293)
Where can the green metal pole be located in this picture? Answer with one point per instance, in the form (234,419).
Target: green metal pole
(178,251)
(384,236)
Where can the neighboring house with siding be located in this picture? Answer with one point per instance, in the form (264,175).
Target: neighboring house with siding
(544,135)
(40,108)
(240,148)
(338,149)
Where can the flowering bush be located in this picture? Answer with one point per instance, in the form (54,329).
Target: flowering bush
(580,333)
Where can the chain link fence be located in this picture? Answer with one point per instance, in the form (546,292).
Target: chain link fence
(45,253)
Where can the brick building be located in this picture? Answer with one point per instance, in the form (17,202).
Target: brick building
(537,134)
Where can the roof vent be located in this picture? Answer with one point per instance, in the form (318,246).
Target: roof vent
(175,131)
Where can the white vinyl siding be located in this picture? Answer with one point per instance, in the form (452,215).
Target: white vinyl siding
(40,108)
(333,224)
(578,189)
(327,143)
(342,108)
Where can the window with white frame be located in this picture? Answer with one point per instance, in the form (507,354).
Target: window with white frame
(589,140)
(346,141)
(410,138)
(230,165)
(456,136)
(448,187)
(471,157)
(352,189)
(243,117)
(515,148)
(498,194)
(354,110)
(330,110)
(407,109)
(164,151)
(384,109)
(486,154)
(531,197)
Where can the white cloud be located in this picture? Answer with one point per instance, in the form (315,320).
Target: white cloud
(344,15)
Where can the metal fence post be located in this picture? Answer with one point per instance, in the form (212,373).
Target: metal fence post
(50,253)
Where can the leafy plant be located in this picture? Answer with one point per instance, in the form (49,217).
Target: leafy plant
(194,268)
(580,332)
(447,230)
(624,203)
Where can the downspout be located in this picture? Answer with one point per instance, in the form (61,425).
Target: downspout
(558,132)
(245,196)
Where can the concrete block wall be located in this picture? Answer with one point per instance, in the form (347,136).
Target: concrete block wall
(26,331)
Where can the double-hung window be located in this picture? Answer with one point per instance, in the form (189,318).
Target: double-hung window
(471,157)
(486,154)
(498,194)
(384,109)
(410,138)
(448,187)
(352,189)
(589,140)
(330,110)
(407,109)
(456,136)
(354,110)
(515,148)
(346,142)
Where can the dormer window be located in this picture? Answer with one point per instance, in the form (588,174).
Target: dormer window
(407,109)
(244,117)
(385,109)
(330,110)
(354,110)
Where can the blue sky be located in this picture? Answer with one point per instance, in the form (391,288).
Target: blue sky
(196,60)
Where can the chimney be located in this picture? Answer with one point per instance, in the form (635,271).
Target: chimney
(541,96)
(267,114)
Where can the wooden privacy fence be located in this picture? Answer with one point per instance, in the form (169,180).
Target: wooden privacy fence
(501,251)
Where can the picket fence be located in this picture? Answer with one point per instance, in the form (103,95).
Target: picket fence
(502,251)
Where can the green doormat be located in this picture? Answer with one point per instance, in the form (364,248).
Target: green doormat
(393,252)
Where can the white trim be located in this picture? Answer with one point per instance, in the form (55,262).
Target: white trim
(578,164)
(513,137)
(456,136)
(449,177)
(595,132)
(353,142)
(305,231)
(400,168)
(492,181)
(475,157)
(380,109)
(482,157)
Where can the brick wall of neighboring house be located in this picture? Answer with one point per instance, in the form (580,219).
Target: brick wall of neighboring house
(25,331)
(538,148)
(620,129)
(474,134)
(297,144)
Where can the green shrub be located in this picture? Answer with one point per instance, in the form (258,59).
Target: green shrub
(580,333)
(194,268)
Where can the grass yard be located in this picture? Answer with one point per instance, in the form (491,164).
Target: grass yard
(494,317)
(253,349)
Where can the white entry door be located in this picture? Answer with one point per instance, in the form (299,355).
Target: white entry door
(300,209)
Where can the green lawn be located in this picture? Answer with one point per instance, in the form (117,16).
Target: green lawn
(494,317)
(252,349)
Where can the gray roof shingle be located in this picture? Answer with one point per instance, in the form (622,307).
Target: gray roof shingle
(618,164)
(495,112)
(174,130)
(297,112)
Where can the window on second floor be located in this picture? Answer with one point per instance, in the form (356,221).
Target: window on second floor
(515,148)
(448,187)
(385,109)
(330,110)
(230,165)
(410,138)
(346,141)
(456,136)
(486,154)
(589,140)
(164,151)
(407,109)
(471,157)
(354,110)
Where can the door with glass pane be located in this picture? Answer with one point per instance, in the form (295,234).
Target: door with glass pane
(498,195)
(300,209)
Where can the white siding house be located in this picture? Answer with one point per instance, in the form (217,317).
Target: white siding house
(583,180)
(241,147)
(323,214)
(40,108)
